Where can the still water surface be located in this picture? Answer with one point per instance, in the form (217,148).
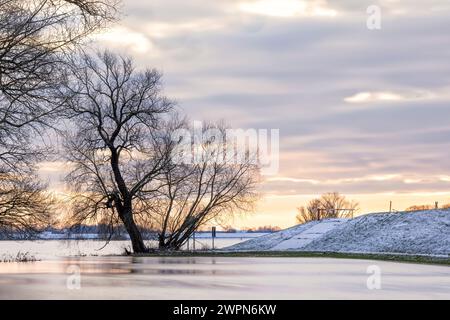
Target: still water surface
(218,278)
(49,249)
(121,277)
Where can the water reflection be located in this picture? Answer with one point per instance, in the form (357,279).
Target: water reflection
(219,278)
(119,265)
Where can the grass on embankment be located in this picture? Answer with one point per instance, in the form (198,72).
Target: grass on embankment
(298,254)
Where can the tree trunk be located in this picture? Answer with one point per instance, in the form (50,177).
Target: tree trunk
(161,242)
(133,231)
(168,244)
(171,243)
(125,207)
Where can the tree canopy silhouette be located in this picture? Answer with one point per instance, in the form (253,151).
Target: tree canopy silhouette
(329,205)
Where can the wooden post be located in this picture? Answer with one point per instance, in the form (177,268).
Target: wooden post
(436,205)
(193,241)
(390,206)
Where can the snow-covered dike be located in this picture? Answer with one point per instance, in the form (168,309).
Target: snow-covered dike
(422,232)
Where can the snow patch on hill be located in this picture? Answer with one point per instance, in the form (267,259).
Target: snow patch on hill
(316,231)
(269,241)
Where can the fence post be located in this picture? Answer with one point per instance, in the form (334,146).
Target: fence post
(213,235)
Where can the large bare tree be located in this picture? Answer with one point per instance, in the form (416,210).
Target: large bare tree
(114,148)
(123,150)
(329,205)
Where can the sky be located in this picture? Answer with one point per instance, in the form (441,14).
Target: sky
(362,112)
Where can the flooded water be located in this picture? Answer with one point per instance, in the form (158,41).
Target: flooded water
(221,278)
(49,249)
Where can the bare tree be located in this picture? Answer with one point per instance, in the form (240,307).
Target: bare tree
(114,148)
(25,206)
(213,186)
(36,36)
(123,156)
(329,205)
(310,212)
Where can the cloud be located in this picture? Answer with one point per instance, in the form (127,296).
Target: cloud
(367,97)
(123,37)
(49,167)
(288,8)
(374,96)
(385,177)
(394,183)
(296,180)
(165,30)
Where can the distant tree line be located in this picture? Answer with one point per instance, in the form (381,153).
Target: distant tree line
(262,229)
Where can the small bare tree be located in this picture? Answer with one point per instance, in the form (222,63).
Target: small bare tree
(329,205)
(114,147)
(310,212)
(25,207)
